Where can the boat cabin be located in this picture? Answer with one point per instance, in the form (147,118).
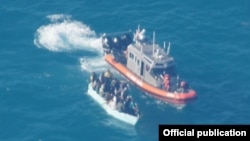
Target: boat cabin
(143,57)
(150,63)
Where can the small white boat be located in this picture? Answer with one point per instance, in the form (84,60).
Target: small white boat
(125,117)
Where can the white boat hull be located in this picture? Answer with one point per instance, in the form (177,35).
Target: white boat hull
(116,114)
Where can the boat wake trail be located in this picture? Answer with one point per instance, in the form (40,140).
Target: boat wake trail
(95,64)
(65,34)
(62,34)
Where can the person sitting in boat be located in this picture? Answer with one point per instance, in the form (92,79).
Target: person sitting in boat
(119,100)
(107,78)
(101,90)
(92,76)
(114,86)
(133,109)
(114,92)
(104,89)
(136,110)
(124,92)
(121,93)
(94,84)
(108,74)
(97,85)
(101,78)
(119,105)
(94,80)
(183,87)
(113,101)
(117,84)
(126,105)
(107,93)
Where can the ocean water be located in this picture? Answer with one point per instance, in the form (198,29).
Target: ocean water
(47,49)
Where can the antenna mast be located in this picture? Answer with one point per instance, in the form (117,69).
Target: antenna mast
(153,42)
(168,48)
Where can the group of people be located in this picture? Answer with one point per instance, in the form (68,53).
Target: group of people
(115,92)
(182,86)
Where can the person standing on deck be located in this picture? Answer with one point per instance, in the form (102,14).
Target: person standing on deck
(166,82)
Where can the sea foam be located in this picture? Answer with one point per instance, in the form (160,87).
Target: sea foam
(65,34)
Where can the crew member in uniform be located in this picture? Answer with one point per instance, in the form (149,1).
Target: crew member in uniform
(166,81)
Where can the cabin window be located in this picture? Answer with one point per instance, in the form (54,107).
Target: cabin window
(135,58)
(138,62)
(131,55)
(160,71)
(147,67)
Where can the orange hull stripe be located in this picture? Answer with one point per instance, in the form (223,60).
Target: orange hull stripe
(145,86)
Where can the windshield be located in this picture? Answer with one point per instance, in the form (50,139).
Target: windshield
(161,71)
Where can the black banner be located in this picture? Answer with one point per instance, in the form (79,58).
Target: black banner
(201,132)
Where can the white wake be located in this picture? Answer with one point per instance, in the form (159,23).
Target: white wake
(65,34)
(96,64)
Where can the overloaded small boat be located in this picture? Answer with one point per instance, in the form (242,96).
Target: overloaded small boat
(146,64)
(113,96)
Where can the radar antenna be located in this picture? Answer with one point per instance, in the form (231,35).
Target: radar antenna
(168,51)
(153,43)
(139,34)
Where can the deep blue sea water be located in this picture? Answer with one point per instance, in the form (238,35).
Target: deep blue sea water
(43,82)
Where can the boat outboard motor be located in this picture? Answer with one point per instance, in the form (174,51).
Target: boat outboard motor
(116,42)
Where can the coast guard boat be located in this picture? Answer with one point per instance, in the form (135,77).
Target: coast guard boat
(113,96)
(146,64)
